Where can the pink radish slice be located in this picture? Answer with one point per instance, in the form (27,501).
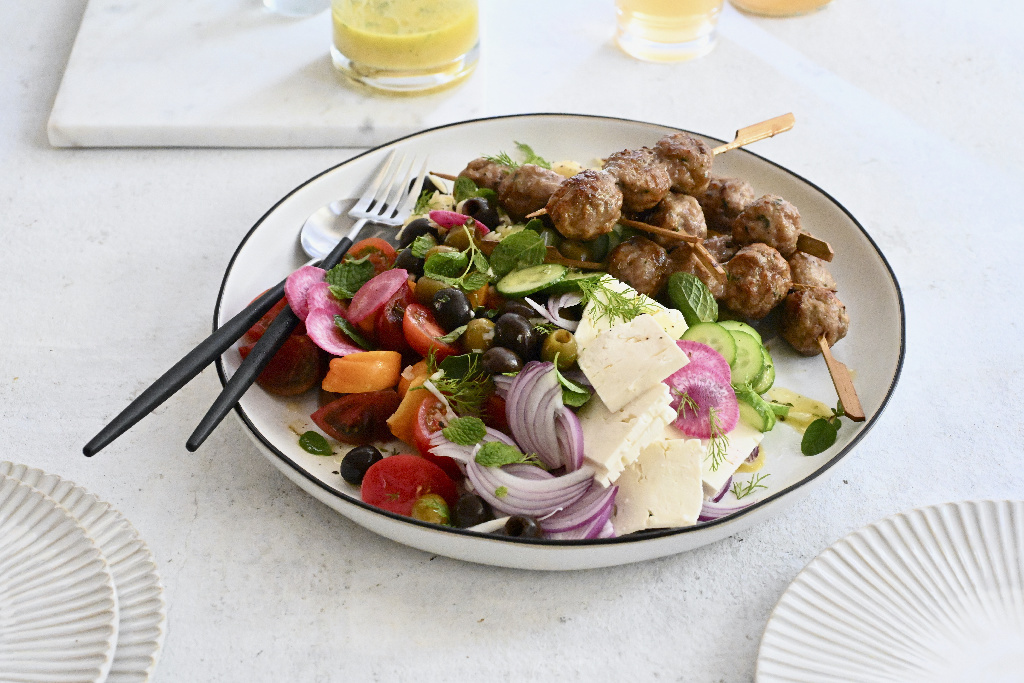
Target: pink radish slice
(372,296)
(321,329)
(706,360)
(708,393)
(298,284)
(453,219)
(319,296)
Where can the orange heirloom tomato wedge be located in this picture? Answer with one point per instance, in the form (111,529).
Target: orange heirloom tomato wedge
(359,373)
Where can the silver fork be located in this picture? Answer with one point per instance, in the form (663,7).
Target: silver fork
(382,202)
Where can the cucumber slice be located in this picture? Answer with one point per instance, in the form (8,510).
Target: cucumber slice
(767,378)
(780,409)
(749,362)
(570,283)
(520,283)
(742,327)
(715,336)
(754,410)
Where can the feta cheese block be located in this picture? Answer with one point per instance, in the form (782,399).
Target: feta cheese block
(662,488)
(613,440)
(630,358)
(593,323)
(742,440)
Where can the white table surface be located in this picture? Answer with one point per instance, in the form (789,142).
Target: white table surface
(908,113)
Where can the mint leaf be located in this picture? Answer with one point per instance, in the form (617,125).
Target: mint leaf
(532,157)
(349,330)
(573,394)
(517,251)
(474,281)
(501,491)
(453,335)
(819,436)
(691,296)
(465,431)
(348,276)
(497,454)
(422,244)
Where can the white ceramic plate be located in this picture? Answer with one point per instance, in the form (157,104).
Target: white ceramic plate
(934,595)
(58,607)
(874,347)
(141,608)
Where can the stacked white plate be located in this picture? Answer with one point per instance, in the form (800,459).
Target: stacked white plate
(80,598)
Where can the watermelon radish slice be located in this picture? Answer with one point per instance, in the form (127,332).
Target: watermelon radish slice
(708,393)
(296,286)
(372,296)
(319,296)
(321,329)
(706,359)
(453,219)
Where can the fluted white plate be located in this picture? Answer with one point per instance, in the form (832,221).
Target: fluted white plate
(58,607)
(141,605)
(931,595)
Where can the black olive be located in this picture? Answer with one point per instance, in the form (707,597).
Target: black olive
(519,307)
(498,360)
(516,333)
(357,461)
(409,262)
(420,226)
(480,210)
(520,526)
(430,186)
(470,510)
(451,308)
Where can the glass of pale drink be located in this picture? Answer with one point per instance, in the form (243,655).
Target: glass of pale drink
(779,8)
(405,46)
(667,30)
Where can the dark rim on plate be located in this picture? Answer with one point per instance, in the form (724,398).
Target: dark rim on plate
(648,535)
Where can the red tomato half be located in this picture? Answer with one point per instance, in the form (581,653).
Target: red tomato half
(297,367)
(382,255)
(358,418)
(390,335)
(397,482)
(423,333)
(254,333)
(428,421)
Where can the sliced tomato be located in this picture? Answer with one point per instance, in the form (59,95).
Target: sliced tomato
(428,421)
(254,333)
(381,254)
(423,333)
(397,482)
(297,367)
(493,414)
(358,418)
(389,331)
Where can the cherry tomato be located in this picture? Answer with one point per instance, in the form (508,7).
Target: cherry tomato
(381,254)
(397,482)
(296,367)
(427,422)
(254,333)
(493,414)
(389,323)
(358,419)
(423,333)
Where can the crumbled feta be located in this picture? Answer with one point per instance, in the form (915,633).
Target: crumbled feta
(614,440)
(628,359)
(742,440)
(662,488)
(593,323)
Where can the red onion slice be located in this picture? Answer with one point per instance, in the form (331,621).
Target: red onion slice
(570,439)
(532,401)
(722,491)
(439,445)
(372,296)
(590,512)
(712,511)
(321,329)
(557,303)
(297,286)
(532,497)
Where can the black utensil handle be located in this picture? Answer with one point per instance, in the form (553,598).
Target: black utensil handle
(257,359)
(185,369)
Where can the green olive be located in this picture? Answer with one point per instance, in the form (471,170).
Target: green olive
(479,335)
(426,288)
(575,250)
(563,344)
(431,508)
(458,239)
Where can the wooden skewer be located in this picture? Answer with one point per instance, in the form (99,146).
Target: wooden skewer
(655,230)
(812,245)
(538,213)
(843,383)
(446,176)
(758,131)
(487,246)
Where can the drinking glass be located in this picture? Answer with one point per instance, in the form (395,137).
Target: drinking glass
(667,30)
(779,8)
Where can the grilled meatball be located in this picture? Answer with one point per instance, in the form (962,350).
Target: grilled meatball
(810,271)
(688,160)
(642,178)
(682,259)
(723,200)
(586,205)
(485,173)
(771,220)
(678,213)
(527,189)
(809,314)
(721,247)
(758,280)
(641,264)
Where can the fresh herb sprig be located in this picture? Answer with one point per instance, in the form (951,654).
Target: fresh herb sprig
(741,491)
(719,444)
(468,269)
(530,157)
(821,434)
(610,303)
(498,454)
(462,382)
